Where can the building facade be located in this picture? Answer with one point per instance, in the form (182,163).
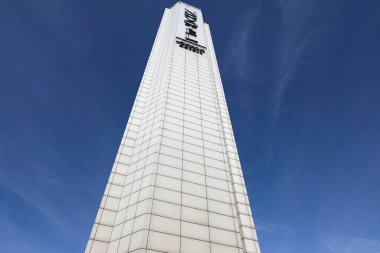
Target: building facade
(177,184)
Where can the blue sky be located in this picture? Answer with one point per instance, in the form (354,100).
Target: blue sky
(302,81)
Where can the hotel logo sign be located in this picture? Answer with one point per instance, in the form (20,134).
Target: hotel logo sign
(191,29)
(190,42)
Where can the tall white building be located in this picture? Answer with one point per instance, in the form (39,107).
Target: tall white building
(176,184)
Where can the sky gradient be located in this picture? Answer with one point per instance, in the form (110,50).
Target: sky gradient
(302,82)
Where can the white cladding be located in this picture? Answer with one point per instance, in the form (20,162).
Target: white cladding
(177,184)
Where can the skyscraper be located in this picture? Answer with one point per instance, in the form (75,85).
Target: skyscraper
(176,184)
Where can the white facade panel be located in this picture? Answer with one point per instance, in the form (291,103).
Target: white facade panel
(176,184)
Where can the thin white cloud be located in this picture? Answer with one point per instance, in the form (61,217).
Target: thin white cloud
(296,15)
(35,197)
(272,227)
(342,244)
(239,61)
(239,44)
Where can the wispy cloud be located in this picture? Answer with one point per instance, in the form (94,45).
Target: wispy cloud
(296,16)
(331,242)
(239,44)
(297,21)
(28,189)
(272,227)
(239,61)
(341,244)
(16,239)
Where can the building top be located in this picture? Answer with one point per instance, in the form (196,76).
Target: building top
(179,2)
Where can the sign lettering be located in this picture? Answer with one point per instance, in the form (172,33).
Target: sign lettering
(190,47)
(190,22)
(190,42)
